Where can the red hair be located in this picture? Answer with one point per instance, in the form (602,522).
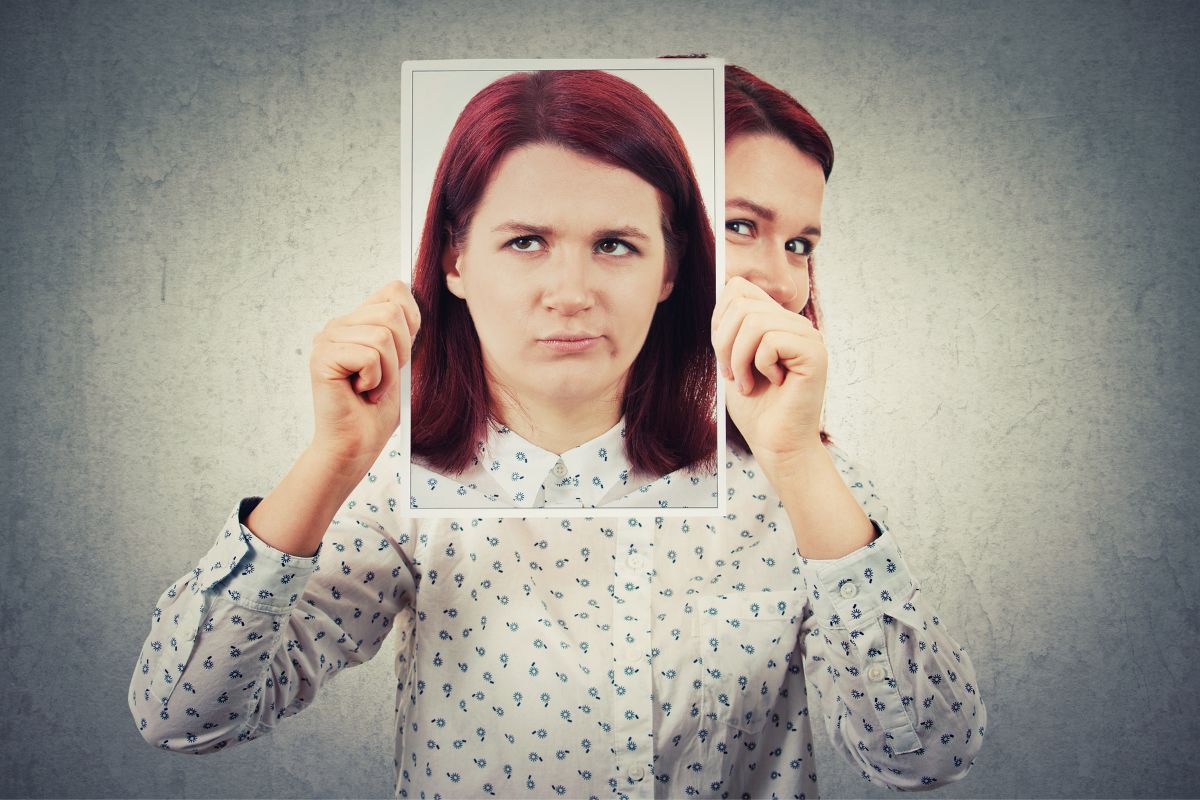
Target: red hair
(671,386)
(754,106)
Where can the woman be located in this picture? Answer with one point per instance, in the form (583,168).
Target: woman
(586,657)
(903,721)
(567,253)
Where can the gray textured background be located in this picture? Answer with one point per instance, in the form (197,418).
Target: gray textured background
(1009,275)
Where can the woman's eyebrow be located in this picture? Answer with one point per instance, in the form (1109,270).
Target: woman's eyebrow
(518,227)
(624,232)
(765,213)
(754,208)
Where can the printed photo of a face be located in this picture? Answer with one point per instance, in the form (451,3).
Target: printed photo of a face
(560,229)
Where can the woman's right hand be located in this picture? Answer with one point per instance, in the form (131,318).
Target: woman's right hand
(355,369)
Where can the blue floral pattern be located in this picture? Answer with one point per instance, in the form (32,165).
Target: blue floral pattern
(581,657)
(510,472)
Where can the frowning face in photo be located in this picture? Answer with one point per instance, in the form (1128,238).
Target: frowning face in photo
(563,265)
(565,274)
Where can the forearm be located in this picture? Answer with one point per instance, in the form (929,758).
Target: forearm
(827,519)
(295,515)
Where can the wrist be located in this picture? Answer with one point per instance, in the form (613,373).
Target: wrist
(334,466)
(825,516)
(327,475)
(294,516)
(794,463)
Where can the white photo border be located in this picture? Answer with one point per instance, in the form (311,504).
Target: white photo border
(714,196)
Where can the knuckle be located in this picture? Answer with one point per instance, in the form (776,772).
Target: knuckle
(394,311)
(399,314)
(380,336)
(758,322)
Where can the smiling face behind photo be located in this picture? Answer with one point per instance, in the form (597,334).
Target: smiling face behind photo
(773,197)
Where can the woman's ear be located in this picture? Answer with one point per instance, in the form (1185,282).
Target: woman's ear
(668,284)
(451,261)
(675,246)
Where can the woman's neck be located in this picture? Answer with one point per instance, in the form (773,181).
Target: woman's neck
(555,426)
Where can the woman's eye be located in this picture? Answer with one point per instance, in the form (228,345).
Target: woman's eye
(614,247)
(740,227)
(799,246)
(525,244)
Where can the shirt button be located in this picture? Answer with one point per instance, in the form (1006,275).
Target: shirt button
(875,672)
(848,590)
(637,772)
(635,561)
(560,469)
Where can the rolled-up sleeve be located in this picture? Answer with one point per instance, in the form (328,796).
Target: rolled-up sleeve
(249,635)
(899,695)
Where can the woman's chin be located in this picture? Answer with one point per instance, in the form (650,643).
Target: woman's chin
(564,385)
(568,390)
(573,395)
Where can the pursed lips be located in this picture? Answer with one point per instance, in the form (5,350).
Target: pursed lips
(569,342)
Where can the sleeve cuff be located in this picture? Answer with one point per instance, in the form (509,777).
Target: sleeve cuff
(248,572)
(855,588)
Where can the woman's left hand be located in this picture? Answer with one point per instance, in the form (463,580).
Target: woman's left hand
(775,363)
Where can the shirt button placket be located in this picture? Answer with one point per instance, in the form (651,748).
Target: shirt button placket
(559,495)
(632,616)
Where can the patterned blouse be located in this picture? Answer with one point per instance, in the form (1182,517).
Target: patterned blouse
(627,656)
(510,472)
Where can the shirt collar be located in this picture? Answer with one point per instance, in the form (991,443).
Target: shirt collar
(531,477)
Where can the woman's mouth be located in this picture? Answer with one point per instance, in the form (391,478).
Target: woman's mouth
(569,342)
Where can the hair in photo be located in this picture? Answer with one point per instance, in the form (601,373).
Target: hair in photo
(754,106)
(671,386)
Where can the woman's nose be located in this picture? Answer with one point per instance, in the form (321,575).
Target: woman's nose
(774,275)
(568,289)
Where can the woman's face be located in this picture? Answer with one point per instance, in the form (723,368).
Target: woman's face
(773,195)
(563,266)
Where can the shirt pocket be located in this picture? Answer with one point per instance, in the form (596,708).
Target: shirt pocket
(746,642)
